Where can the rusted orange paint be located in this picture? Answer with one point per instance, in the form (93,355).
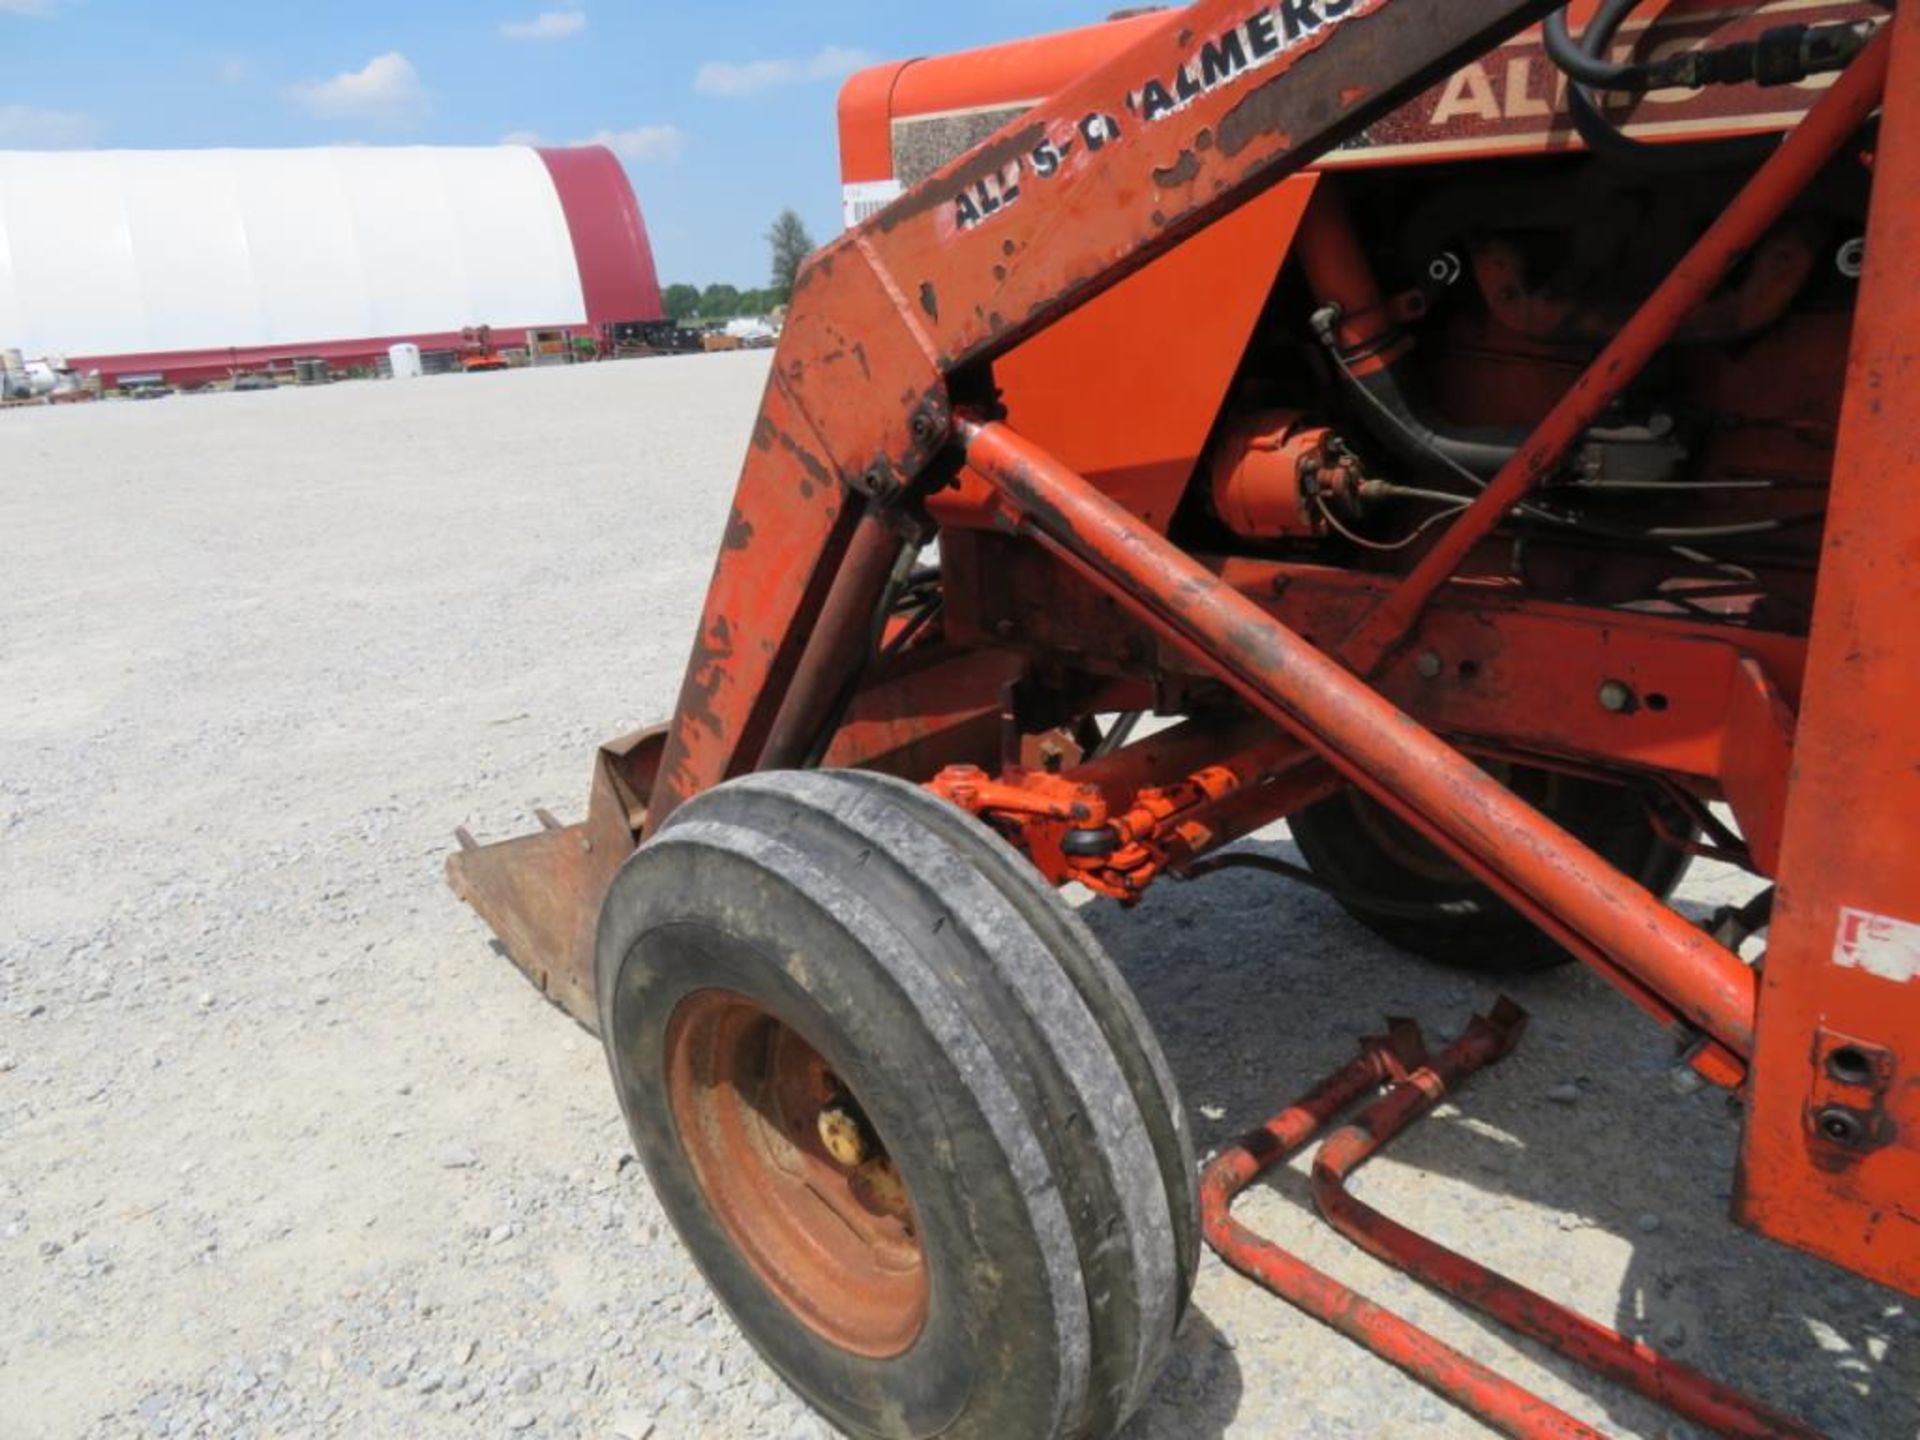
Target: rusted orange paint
(859,389)
(1555,880)
(1849,846)
(1090,263)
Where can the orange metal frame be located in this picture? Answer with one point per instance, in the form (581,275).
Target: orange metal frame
(882,414)
(1832,1159)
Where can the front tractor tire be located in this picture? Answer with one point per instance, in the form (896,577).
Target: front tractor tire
(901,1108)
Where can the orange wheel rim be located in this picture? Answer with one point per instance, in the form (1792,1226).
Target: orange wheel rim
(795,1174)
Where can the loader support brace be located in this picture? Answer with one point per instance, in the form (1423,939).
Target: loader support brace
(1673,970)
(1415,1085)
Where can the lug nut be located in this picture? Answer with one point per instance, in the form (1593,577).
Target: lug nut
(843,1135)
(878,1186)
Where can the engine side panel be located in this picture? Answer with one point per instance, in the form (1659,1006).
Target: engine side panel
(1094,388)
(1514,101)
(901,122)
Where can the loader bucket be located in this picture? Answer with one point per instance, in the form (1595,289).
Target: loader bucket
(541,893)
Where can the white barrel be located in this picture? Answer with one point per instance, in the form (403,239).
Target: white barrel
(406,362)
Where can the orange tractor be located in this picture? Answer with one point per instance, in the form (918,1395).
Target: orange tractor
(1481,429)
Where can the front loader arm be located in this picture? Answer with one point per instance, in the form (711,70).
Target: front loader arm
(1222,102)
(1225,100)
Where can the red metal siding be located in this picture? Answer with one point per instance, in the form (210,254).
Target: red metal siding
(617,273)
(197,367)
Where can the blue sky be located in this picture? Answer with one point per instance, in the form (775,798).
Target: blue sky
(724,112)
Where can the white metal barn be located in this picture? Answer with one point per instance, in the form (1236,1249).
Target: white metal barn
(194,263)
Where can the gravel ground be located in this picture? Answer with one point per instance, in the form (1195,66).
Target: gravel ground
(286,1150)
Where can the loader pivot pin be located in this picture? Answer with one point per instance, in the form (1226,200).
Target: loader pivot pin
(1413,1085)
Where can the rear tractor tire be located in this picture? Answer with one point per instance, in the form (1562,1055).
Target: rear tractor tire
(1400,887)
(902,1110)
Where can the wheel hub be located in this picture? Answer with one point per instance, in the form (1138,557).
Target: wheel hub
(796,1175)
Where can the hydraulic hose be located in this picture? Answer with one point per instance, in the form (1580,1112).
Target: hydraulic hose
(1416,440)
(1607,140)
(1589,68)
(1780,56)
(1409,435)
(1402,428)
(1419,442)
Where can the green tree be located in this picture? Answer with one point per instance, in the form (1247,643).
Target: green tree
(719,302)
(681,301)
(791,246)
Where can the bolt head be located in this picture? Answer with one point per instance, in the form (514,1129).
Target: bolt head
(1616,697)
(1430,665)
(1840,1126)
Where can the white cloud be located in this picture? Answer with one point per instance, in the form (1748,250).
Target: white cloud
(548,25)
(836,62)
(644,144)
(731,79)
(386,89)
(28,7)
(24,127)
